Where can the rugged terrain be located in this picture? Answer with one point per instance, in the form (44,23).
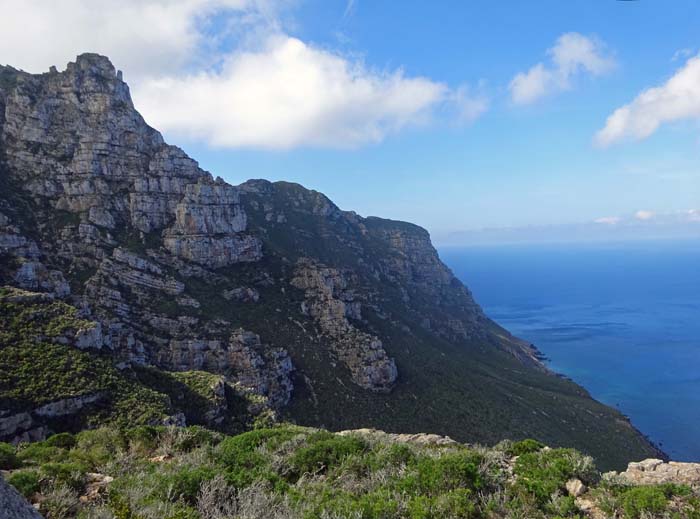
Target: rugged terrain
(264,299)
(289,472)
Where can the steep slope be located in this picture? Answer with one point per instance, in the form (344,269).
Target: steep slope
(326,317)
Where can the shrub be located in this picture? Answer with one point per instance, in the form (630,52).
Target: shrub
(25,481)
(70,475)
(432,476)
(325,451)
(143,439)
(98,446)
(544,472)
(195,436)
(8,458)
(62,441)
(458,503)
(183,484)
(399,454)
(60,503)
(524,447)
(41,452)
(638,501)
(242,457)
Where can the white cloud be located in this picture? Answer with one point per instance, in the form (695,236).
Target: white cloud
(267,90)
(144,37)
(675,100)
(644,215)
(572,55)
(608,220)
(289,94)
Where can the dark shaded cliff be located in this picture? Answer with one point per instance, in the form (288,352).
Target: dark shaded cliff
(316,314)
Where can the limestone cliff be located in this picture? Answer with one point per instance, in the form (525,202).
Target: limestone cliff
(328,317)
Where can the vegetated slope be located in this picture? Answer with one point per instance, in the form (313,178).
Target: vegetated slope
(290,472)
(310,313)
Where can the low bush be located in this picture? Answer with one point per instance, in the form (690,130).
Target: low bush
(636,502)
(434,475)
(545,472)
(71,475)
(324,452)
(8,457)
(62,441)
(25,481)
(524,447)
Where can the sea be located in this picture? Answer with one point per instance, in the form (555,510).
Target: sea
(621,319)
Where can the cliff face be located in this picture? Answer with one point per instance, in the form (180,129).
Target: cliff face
(328,317)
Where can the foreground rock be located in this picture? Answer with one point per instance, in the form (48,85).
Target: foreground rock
(657,472)
(13,505)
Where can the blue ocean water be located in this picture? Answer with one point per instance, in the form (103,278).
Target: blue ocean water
(623,320)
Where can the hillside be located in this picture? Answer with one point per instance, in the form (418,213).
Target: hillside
(296,309)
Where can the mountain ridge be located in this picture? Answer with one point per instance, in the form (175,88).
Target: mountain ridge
(326,317)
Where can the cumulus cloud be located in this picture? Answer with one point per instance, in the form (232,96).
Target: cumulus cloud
(145,37)
(289,94)
(572,55)
(675,100)
(266,90)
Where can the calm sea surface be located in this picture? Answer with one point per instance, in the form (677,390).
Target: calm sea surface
(621,320)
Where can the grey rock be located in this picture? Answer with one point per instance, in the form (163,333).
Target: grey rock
(13,505)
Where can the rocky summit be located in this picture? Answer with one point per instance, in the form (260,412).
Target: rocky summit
(127,261)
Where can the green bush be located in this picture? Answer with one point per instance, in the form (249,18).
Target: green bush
(71,475)
(183,484)
(544,472)
(524,447)
(41,452)
(61,440)
(96,447)
(398,454)
(433,476)
(195,436)
(8,457)
(644,500)
(325,451)
(25,481)
(242,458)
(144,439)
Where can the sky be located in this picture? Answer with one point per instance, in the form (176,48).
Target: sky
(482,121)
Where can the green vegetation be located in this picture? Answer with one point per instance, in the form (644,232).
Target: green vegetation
(38,366)
(640,502)
(288,471)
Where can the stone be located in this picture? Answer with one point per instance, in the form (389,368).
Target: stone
(575,487)
(13,505)
(656,472)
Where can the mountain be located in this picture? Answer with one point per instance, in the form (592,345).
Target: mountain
(125,262)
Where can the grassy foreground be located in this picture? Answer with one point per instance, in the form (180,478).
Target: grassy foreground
(289,472)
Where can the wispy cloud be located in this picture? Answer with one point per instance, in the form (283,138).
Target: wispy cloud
(608,220)
(677,99)
(644,215)
(350,7)
(572,55)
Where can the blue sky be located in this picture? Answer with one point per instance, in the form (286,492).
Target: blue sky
(454,148)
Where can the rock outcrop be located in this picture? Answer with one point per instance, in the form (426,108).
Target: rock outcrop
(332,304)
(656,472)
